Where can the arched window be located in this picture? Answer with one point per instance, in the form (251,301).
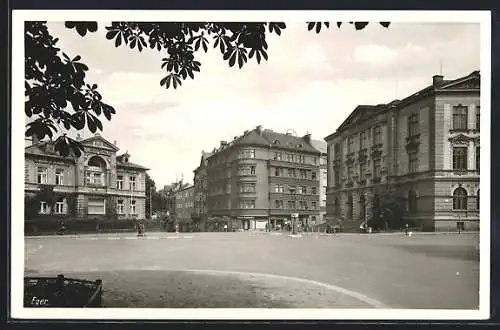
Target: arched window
(412,201)
(477,200)
(95,171)
(460,199)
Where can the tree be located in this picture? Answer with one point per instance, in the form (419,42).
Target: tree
(388,210)
(150,192)
(59,97)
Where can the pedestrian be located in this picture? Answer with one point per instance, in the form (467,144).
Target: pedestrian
(406,230)
(225,227)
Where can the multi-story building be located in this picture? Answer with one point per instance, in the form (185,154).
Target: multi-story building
(200,211)
(97,183)
(184,204)
(424,148)
(262,177)
(323,177)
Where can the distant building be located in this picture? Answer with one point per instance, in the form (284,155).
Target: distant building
(424,148)
(262,177)
(200,211)
(323,177)
(98,183)
(184,204)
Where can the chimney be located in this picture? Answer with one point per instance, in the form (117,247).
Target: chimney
(223,144)
(437,80)
(307,138)
(78,137)
(259,129)
(246,132)
(114,142)
(235,137)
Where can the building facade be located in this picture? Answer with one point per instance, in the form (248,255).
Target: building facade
(184,204)
(261,178)
(98,183)
(424,148)
(200,211)
(323,177)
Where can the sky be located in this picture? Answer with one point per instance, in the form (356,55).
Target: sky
(310,84)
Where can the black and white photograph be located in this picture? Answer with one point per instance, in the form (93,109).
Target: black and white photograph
(250,165)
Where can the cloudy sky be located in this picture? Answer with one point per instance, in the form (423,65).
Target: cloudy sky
(310,83)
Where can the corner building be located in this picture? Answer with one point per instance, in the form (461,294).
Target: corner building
(262,177)
(425,148)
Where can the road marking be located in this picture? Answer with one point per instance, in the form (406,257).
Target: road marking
(152,237)
(188,236)
(172,236)
(130,237)
(113,238)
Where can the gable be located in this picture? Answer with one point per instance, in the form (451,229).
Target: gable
(360,114)
(99,142)
(470,82)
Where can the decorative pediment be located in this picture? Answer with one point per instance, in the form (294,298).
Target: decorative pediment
(460,139)
(99,142)
(470,82)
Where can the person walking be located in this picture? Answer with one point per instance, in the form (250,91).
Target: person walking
(406,230)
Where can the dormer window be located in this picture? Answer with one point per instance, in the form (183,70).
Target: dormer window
(276,142)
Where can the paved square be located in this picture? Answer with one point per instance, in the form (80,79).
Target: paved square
(430,271)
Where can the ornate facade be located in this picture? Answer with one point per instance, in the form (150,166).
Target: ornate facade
(424,148)
(98,183)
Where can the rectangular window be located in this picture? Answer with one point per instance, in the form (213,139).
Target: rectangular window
(119,182)
(362,171)
(94,178)
(460,117)
(119,206)
(291,205)
(300,191)
(350,144)
(337,177)
(460,158)
(313,175)
(349,174)
(313,191)
(313,205)
(279,204)
(336,149)
(478,163)
(291,173)
(59,177)
(59,207)
(42,175)
(362,140)
(132,207)
(314,160)
(247,188)
(247,204)
(96,206)
(478,118)
(44,208)
(377,135)
(279,188)
(132,183)
(246,153)
(377,167)
(277,156)
(413,162)
(413,128)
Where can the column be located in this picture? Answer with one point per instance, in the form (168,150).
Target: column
(471,156)
(447,150)
(471,116)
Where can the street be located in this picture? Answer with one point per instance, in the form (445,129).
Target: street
(428,271)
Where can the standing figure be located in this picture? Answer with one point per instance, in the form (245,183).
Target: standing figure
(406,230)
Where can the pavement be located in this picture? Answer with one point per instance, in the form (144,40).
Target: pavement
(430,271)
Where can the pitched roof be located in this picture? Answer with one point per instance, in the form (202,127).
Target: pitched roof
(320,145)
(364,112)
